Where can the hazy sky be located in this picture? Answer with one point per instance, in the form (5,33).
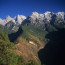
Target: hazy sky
(26,7)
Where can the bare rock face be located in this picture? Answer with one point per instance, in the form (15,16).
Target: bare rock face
(2,22)
(35,18)
(40,18)
(19,19)
(7,19)
(60,15)
(12,24)
(47,17)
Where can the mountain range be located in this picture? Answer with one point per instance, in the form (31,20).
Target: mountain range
(36,37)
(46,17)
(42,20)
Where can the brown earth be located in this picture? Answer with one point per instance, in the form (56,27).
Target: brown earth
(27,50)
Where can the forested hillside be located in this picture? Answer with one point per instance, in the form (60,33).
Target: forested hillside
(7,54)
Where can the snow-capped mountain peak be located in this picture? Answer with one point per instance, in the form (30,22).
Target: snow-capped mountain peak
(19,19)
(1,22)
(34,14)
(46,13)
(8,18)
(60,15)
(35,17)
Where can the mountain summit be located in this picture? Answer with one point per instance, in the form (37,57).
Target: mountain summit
(35,17)
(18,19)
(44,20)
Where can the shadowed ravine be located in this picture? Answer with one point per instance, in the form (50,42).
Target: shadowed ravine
(14,36)
(54,52)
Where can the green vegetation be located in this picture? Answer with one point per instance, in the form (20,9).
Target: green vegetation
(32,62)
(35,31)
(7,56)
(50,28)
(29,33)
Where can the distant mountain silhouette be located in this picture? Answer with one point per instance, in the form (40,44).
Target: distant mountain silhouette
(54,51)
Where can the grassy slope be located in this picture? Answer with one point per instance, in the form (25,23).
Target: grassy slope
(8,51)
(36,36)
(34,31)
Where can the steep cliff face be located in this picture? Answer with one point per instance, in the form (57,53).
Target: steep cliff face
(17,20)
(35,17)
(47,17)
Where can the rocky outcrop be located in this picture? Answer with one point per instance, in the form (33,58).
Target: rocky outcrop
(43,20)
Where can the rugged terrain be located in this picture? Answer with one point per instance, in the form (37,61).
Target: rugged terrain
(28,34)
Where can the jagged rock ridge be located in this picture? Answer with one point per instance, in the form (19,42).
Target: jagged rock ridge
(47,18)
